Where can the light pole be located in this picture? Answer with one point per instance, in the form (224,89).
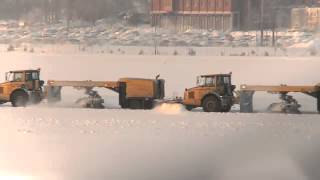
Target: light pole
(262,22)
(155,36)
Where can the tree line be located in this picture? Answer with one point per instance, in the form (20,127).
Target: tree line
(51,11)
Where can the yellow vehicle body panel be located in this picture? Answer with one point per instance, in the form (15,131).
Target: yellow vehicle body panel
(7,88)
(83,84)
(279,89)
(144,88)
(195,95)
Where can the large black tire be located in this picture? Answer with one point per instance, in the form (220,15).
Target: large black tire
(211,104)
(19,99)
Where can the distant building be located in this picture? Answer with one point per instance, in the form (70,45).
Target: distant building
(307,18)
(224,15)
(197,14)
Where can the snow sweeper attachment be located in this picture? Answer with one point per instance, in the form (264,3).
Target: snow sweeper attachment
(287,104)
(133,93)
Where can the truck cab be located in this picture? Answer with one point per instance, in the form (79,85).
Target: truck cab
(214,93)
(21,87)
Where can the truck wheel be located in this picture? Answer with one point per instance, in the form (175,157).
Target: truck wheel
(19,99)
(211,104)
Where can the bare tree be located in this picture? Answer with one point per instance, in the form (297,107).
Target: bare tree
(87,10)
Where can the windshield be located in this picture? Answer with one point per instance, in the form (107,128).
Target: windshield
(14,77)
(200,81)
(206,81)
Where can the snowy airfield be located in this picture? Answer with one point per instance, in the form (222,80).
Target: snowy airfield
(67,142)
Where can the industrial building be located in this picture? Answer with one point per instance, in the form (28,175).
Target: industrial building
(224,15)
(198,14)
(307,18)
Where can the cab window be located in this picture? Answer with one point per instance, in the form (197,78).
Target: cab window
(30,76)
(201,81)
(226,80)
(210,81)
(220,80)
(17,77)
(223,80)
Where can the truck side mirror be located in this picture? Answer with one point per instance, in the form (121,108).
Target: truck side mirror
(233,87)
(41,83)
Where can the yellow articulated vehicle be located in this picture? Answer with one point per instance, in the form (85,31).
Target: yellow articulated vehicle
(21,87)
(214,93)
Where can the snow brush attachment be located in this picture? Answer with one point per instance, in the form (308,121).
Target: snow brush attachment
(287,105)
(93,100)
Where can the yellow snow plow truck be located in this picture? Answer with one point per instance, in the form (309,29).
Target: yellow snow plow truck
(21,87)
(24,87)
(214,93)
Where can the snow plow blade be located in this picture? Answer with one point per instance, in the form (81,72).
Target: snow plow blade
(318,102)
(287,105)
(246,101)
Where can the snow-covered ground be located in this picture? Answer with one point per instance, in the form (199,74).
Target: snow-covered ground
(67,142)
(117,144)
(106,38)
(309,49)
